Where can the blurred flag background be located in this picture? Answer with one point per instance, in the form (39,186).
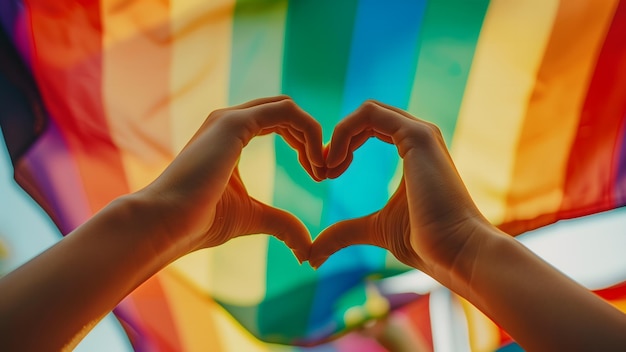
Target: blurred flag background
(97,97)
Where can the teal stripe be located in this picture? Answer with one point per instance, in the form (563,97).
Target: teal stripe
(317,44)
(447,43)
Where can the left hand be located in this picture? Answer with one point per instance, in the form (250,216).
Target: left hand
(430,218)
(203,200)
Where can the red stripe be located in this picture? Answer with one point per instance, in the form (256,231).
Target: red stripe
(67,63)
(613,293)
(152,317)
(590,175)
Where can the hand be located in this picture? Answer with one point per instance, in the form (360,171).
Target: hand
(431,215)
(198,201)
(203,200)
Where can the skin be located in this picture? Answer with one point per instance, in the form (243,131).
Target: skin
(432,224)
(199,201)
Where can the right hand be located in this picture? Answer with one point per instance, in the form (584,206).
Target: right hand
(429,219)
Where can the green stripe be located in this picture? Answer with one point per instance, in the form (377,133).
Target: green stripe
(317,45)
(447,44)
(255,72)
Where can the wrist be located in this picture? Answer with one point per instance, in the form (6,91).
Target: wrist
(477,247)
(143,216)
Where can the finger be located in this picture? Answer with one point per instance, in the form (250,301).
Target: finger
(259,101)
(285,227)
(372,119)
(355,143)
(341,168)
(340,235)
(279,115)
(339,146)
(395,109)
(220,112)
(297,144)
(285,113)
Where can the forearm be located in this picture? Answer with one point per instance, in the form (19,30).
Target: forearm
(57,297)
(540,307)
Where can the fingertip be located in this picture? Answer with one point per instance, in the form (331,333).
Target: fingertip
(299,258)
(288,229)
(314,175)
(317,263)
(319,174)
(333,160)
(333,173)
(300,245)
(316,158)
(302,255)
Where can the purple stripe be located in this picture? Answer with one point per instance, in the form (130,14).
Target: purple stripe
(13,19)
(50,165)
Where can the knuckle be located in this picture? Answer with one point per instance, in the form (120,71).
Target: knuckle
(370,106)
(423,133)
(228,118)
(283,96)
(287,104)
(215,114)
(435,130)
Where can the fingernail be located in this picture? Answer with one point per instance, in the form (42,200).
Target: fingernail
(318,173)
(301,257)
(332,174)
(321,173)
(332,164)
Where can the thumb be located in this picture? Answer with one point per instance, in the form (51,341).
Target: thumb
(338,236)
(286,227)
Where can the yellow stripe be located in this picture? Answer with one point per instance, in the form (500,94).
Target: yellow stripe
(246,257)
(234,337)
(202,34)
(484,334)
(553,113)
(135,85)
(619,304)
(508,54)
(193,314)
(203,325)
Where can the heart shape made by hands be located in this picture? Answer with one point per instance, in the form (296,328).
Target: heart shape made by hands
(431,198)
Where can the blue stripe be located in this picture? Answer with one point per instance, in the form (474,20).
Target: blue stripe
(382,64)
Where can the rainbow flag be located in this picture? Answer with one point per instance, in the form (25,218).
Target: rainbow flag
(98,96)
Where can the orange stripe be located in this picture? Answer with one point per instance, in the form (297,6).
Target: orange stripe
(155,315)
(137,45)
(509,52)
(66,43)
(554,111)
(199,76)
(193,314)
